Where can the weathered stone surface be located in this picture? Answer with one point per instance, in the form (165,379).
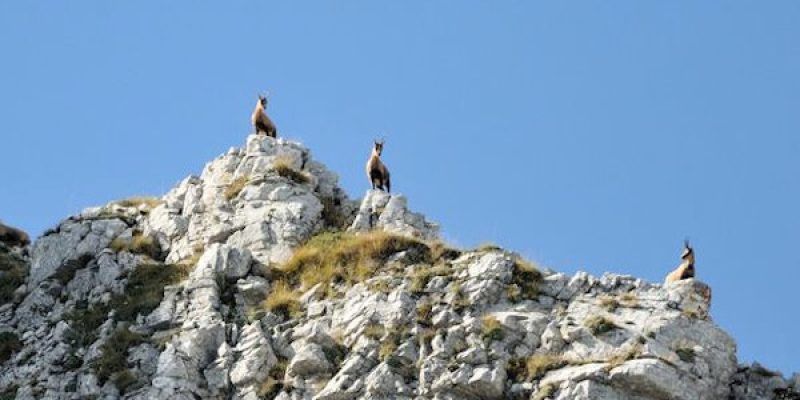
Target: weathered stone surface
(461,329)
(389,212)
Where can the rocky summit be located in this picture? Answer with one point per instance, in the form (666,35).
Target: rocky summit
(261,279)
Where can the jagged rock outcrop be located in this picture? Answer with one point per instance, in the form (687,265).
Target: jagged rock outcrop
(242,283)
(382,211)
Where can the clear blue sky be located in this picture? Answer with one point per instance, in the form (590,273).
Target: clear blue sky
(593,137)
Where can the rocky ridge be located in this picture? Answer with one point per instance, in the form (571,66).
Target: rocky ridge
(261,279)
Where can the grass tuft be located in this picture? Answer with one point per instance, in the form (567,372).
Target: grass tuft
(9,344)
(539,364)
(544,392)
(333,257)
(488,246)
(235,187)
(526,277)
(373,331)
(13,270)
(332,215)
(686,354)
(424,313)
(492,329)
(599,324)
(139,201)
(113,361)
(610,303)
(273,383)
(67,270)
(283,167)
(630,353)
(145,289)
(386,350)
(142,295)
(283,300)
(138,244)
(423,275)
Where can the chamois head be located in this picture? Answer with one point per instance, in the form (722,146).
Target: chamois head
(378,147)
(688,252)
(263,100)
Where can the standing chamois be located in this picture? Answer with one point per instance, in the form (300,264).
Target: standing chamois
(261,121)
(377,173)
(686,269)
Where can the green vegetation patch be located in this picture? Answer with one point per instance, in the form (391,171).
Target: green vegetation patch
(113,362)
(686,354)
(527,278)
(332,215)
(492,329)
(273,383)
(143,293)
(13,270)
(145,289)
(9,344)
(10,393)
(599,324)
(66,271)
(421,276)
(84,322)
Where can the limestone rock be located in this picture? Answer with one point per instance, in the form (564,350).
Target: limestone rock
(389,212)
(211,320)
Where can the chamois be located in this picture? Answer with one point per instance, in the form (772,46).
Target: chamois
(13,236)
(261,121)
(377,173)
(686,268)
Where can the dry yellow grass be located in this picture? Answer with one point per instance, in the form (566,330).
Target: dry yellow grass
(334,257)
(283,167)
(631,352)
(137,201)
(610,303)
(492,328)
(374,331)
(283,300)
(138,244)
(527,278)
(538,364)
(544,392)
(235,187)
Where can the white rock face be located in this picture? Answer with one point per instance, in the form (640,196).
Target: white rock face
(461,326)
(389,212)
(71,241)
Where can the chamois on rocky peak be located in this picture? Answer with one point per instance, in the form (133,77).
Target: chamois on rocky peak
(686,268)
(377,173)
(261,121)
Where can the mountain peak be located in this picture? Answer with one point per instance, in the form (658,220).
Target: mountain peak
(260,278)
